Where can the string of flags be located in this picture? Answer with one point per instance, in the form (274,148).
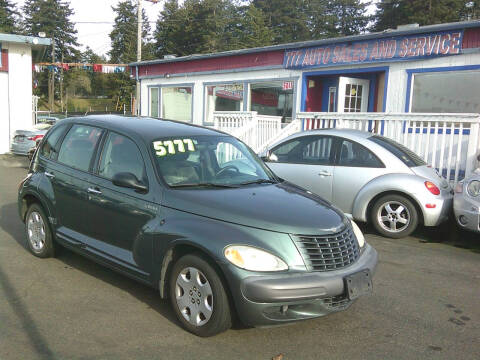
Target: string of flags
(99,68)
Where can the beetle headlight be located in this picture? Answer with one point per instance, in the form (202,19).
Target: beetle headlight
(473,188)
(358,234)
(253,259)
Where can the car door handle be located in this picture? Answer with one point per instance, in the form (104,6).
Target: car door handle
(49,175)
(93,191)
(324,173)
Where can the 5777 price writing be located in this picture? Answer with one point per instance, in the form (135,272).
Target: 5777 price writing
(170,147)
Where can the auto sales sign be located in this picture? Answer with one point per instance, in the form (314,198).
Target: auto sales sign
(379,50)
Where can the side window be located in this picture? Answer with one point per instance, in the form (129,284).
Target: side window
(48,147)
(120,154)
(315,150)
(78,146)
(356,155)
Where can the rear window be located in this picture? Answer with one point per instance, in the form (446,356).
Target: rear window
(407,156)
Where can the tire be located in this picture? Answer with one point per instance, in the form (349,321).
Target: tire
(38,233)
(198,296)
(396,224)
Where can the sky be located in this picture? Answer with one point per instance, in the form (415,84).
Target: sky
(100,12)
(96,35)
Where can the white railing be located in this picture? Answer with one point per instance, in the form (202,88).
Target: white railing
(248,126)
(292,128)
(448,142)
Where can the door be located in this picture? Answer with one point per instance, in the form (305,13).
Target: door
(353,94)
(121,214)
(306,161)
(70,175)
(356,166)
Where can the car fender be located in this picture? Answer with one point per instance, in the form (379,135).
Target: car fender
(210,237)
(33,187)
(407,184)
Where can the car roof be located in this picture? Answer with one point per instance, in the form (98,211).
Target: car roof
(350,133)
(147,128)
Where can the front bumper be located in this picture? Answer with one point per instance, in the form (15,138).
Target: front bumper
(276,299)
(467,212)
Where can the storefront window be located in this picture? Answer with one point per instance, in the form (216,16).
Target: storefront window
(177,103)
(272,98)
(446,92)
(226,97)
(154,102)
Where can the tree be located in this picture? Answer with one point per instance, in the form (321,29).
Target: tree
(347,17)
(289,20)
(205,26)
(248,29)
(391,13)
(8,17)
(53,18)
(124,33)
(89,57)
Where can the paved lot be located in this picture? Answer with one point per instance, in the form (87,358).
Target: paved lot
(426,305)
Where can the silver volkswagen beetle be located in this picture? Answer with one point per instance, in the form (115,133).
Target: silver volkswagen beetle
(370,177)
(466,204)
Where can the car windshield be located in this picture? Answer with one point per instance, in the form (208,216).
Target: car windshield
(408,157)
(208,161)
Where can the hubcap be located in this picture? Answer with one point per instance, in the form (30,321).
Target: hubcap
(36,231)
(393,216)
(194,296)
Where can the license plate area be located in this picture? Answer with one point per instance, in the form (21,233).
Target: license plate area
(19,139)
(358,284)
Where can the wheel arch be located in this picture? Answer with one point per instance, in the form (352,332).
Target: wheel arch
(27,200)
(384,185)
(175,252)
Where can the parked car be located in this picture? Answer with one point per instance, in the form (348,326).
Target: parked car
(466,203)
(196,214)
(369,177)
(24,140)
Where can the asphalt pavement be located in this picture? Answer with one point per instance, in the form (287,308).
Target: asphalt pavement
(425,305)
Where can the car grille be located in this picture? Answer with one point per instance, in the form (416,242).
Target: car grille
(327,253)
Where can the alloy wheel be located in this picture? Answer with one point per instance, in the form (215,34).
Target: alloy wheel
(36,231)
(393,216)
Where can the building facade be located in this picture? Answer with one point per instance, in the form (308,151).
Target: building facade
(430,69)
(16,84)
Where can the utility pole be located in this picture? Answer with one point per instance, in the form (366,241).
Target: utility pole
(139,49)
(139,53)
(61,84)
(51,82)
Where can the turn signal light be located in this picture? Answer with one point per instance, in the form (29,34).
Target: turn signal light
(35,138)
(432,188)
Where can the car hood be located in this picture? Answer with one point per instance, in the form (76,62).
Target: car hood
(431,174)
(281,207)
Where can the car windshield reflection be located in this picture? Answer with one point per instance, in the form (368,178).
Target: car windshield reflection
(208,161)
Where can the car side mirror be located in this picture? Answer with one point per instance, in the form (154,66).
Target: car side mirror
(269,157)
(128,180)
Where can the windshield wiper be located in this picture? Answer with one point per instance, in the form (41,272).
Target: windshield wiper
(202,185)
(259,181)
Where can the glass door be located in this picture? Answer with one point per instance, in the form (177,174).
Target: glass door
(353,94)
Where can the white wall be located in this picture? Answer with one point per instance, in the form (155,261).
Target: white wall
(4,114)
(396,92)
(199,80)
(15,93)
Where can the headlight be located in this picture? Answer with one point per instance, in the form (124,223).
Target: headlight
(358,234)
(253,259)
(473,188)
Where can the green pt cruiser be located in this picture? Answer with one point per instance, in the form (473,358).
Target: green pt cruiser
(196,214)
